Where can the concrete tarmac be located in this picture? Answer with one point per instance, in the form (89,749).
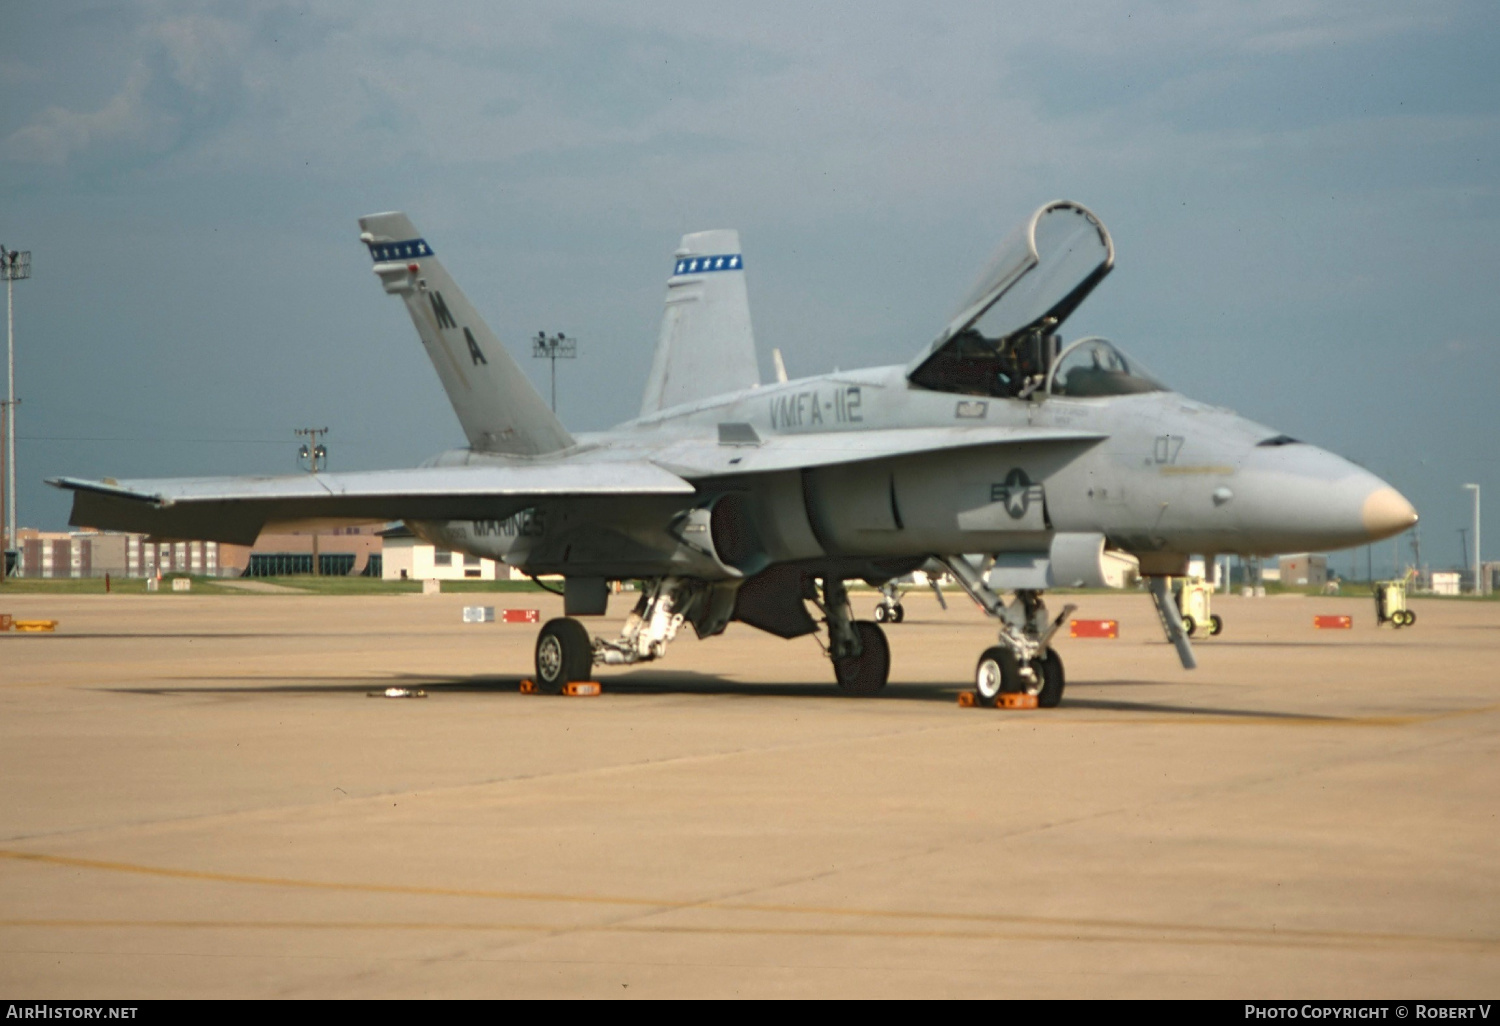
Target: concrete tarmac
(200,800)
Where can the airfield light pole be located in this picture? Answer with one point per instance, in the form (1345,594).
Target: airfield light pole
(4,542)
(554,348)
(1478,566)
(315,455)
(14,266)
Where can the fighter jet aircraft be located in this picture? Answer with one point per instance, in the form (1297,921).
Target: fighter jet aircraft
(1020,462)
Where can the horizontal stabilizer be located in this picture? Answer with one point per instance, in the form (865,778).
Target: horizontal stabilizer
(237,509)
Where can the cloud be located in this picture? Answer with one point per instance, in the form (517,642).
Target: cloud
(58,135)
(185,76)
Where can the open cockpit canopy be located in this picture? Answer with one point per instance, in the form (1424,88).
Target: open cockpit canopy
(1004,339)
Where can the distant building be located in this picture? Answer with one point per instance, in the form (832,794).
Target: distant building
(1445,583)
(407,557)
(86,553)
(342,552)
(392,554)
(96,553)
(1304,570)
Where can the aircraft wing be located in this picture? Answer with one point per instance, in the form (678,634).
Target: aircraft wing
(237,509)
(699,458)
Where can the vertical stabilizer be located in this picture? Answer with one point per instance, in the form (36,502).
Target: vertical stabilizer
(706,346)
(499,409)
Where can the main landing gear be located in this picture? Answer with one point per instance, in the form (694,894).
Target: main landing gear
(861,657)
(564,653)
(1024,660)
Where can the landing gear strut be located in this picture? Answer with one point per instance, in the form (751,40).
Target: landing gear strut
(861,657)
(1024,660)
(565,654)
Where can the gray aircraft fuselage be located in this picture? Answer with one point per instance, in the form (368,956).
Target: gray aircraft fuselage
(1161,476)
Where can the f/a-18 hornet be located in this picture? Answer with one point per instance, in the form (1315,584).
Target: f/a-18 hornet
(1017,461)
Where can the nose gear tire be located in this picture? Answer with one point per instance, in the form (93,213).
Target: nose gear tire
(997,671)
(1050,670)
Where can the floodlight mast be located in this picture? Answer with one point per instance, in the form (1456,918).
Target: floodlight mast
(4,547)
(14,266)
(1479,588)
(553,348)
(315,455)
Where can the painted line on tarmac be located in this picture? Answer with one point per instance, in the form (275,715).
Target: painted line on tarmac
(1062,931)
(1129,931)
(1187,714)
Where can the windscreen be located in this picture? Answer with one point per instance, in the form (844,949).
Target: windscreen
(1094,367)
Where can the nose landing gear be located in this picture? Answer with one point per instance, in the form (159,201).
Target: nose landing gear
(889,609)
(1024,660)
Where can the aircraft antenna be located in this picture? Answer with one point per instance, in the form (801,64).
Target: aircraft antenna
(14,266)
(554,348)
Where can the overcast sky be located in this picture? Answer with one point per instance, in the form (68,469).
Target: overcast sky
(1303,198)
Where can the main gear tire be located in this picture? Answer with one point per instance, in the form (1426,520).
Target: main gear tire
(564,654)
(865,674)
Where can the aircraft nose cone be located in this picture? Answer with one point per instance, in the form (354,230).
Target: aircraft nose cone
(1385,512)
(1299,498)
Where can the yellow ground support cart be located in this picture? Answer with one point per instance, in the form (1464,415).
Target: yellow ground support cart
(1390,603)
(1194,604)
